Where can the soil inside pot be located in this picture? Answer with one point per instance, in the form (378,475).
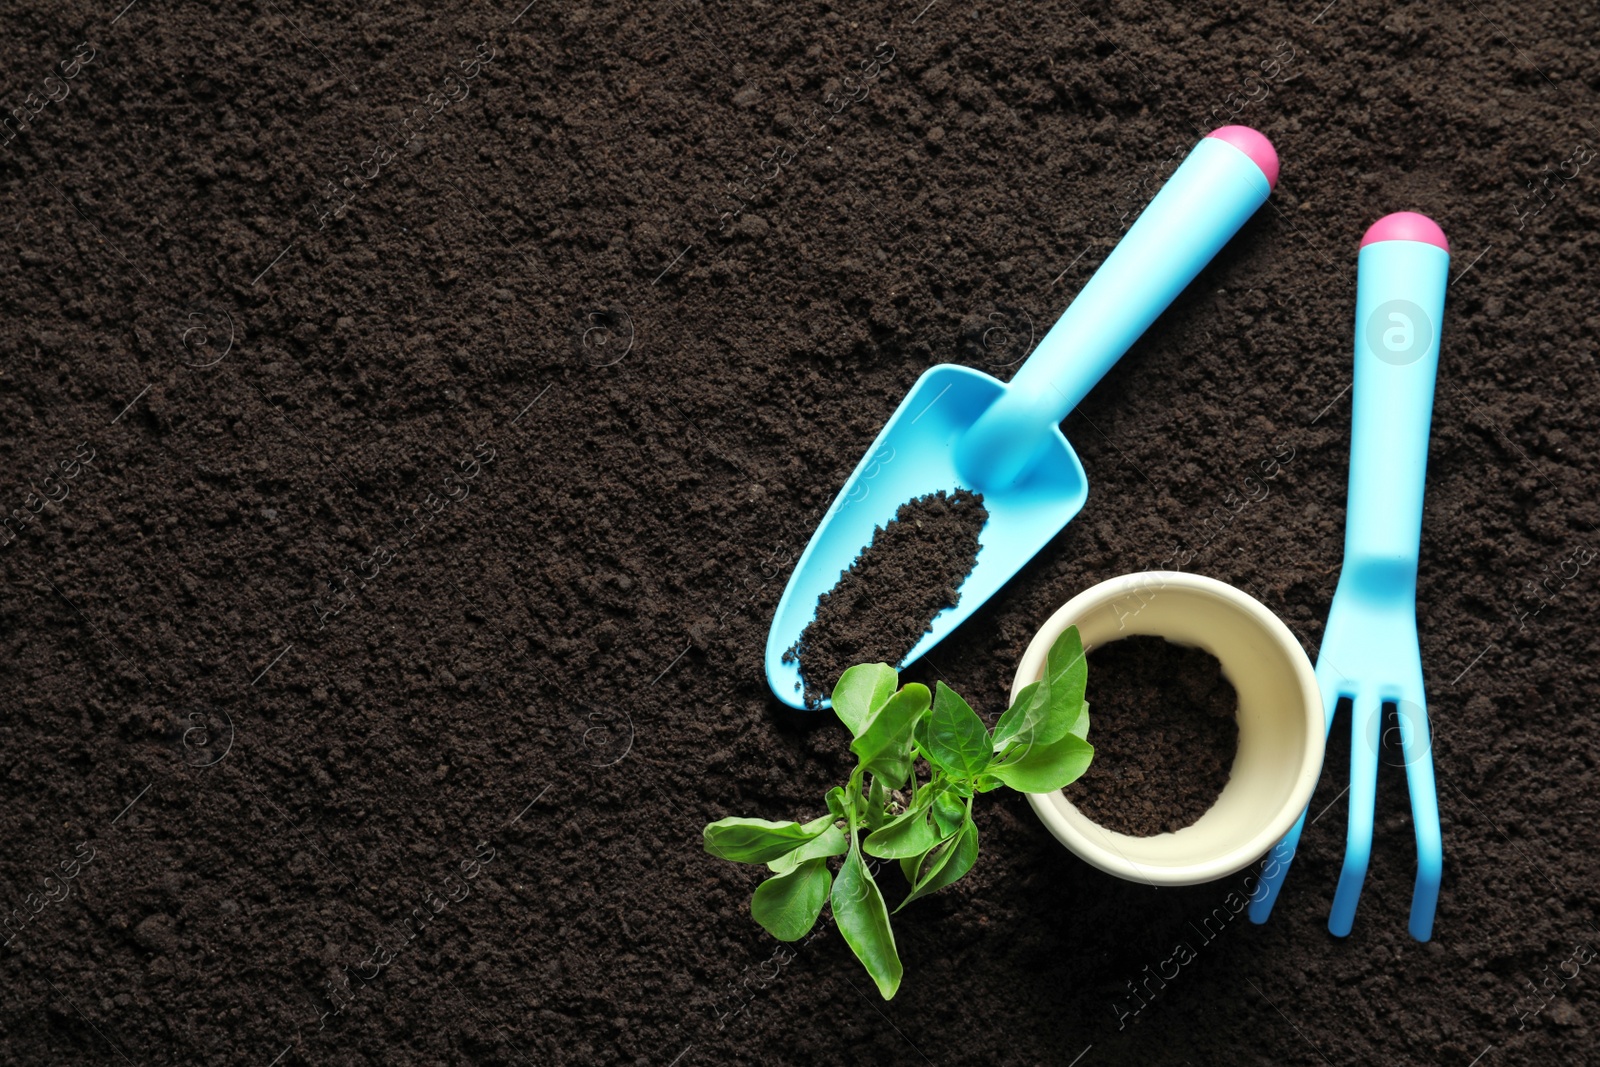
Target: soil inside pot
(887,600)
(1164,729)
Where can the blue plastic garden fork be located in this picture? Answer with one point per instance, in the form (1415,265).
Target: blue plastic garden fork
(1369,649)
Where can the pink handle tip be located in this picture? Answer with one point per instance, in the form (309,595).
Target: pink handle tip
(1406,226)
(1254,145)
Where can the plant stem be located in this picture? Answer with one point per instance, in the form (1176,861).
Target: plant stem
(854,800)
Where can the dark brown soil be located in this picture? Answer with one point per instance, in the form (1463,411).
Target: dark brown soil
(887,600)
(559,659)
(1164,731)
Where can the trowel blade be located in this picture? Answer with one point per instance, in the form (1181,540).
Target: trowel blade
(914,455)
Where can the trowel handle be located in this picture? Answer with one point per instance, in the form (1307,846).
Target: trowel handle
(1400,282)
(1228,175)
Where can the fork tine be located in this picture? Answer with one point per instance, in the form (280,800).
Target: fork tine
(1417,746)
(1282,854)
(1276,870)
(1366,718)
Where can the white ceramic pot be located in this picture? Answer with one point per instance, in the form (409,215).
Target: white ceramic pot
(1281,728)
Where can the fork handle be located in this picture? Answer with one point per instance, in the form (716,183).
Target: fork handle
(1401,277)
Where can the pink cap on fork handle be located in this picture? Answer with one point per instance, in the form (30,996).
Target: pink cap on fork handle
(1253,144)
(1406,226)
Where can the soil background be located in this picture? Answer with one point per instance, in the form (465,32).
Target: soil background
(555,426)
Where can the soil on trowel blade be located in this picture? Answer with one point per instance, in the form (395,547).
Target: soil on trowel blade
(889,597)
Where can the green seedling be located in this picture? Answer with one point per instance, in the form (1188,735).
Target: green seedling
(921,758)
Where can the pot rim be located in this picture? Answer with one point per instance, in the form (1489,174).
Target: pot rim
(1104,853)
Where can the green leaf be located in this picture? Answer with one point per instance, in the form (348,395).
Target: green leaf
(894,768)
(787,905)
(955,860)
(831,842)
(1080,729)
(949,811)
(882,744)
(952,735)
(863,919)
(913,867)
(1045,768)
(816,826)
(862,690)
(912,834)
(1068,665)
(1047,710)
(757,840)
(1024,714)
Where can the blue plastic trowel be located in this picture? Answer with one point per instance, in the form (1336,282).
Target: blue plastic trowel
(959,428)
